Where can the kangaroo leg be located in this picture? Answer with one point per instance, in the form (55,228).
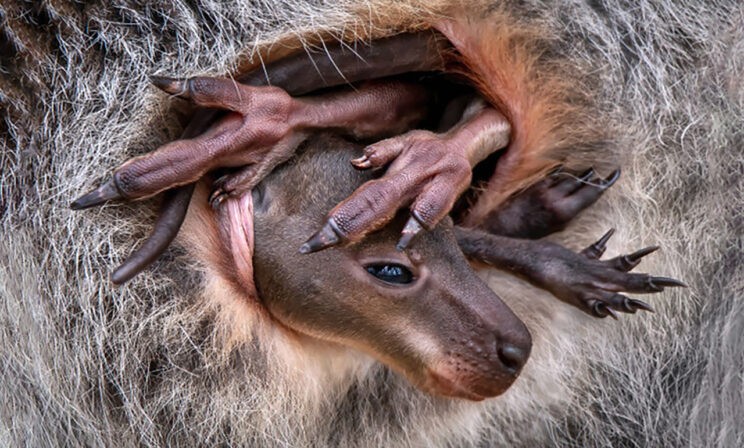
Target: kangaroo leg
(260,119)
(579,279)
(424,169)
(302,73)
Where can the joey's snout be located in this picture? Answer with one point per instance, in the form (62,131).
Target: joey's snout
(486,350)
(476,370)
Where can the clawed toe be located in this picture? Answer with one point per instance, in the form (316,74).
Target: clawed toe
(601,310)
(425,171)
(609,180)
(362,163)
(217,197)
(628,262)
(657,284)
(596,250)
(411,229)
(587,175)
(602,280)
(108,191)
(173,86)
(617,302)
(326,237)
(636,304)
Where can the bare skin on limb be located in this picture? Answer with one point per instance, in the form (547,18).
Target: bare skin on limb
(299,74)
(263,128)
(424,169)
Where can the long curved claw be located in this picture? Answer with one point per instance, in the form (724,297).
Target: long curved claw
(412,228)
(637,255)
(640,305)
(609,180)
(599,309)
(630,261)
(627,306)
(361,163)
(216,198)
(326,237)
(595,251)
(173,86)
(658,283)
(586,175)
(612,313)
(108,191)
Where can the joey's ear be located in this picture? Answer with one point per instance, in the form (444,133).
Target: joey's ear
(262,197)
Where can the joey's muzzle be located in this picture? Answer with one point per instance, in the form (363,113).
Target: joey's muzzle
(485,348)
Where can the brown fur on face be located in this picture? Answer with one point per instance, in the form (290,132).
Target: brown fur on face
(446,331)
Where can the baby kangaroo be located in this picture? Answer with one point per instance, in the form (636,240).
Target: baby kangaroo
(423,311)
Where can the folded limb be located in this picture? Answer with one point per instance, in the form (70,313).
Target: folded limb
(425,170)
(263,127)
(298,74)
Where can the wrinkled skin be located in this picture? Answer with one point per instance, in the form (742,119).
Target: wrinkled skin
(87,364)
(433,320)
(581,280)
(261,126)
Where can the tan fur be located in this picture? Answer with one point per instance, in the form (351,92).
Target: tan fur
(507,60)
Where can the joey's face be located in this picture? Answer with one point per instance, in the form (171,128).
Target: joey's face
(422,311)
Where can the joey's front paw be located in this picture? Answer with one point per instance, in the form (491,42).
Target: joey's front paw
(594,285)
(424,170)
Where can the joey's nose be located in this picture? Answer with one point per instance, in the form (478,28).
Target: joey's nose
(513,357)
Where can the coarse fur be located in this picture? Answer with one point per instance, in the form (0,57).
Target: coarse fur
(176,358)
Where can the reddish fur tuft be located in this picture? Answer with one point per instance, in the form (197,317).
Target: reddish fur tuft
(506,62)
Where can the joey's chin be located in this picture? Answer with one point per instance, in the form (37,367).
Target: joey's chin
(450,383)
(437,384)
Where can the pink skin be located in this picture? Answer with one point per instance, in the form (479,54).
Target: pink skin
(262,128)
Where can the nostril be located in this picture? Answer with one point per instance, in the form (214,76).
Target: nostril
(512,357)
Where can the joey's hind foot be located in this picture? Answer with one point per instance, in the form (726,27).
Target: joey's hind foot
(580,279)
(260,128)
(257,119)
(425,170)
(548,205)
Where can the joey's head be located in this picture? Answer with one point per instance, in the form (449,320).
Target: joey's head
(423,311)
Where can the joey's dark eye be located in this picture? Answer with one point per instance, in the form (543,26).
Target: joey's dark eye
(391,273)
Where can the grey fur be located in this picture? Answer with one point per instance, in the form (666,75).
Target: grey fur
(84,363)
